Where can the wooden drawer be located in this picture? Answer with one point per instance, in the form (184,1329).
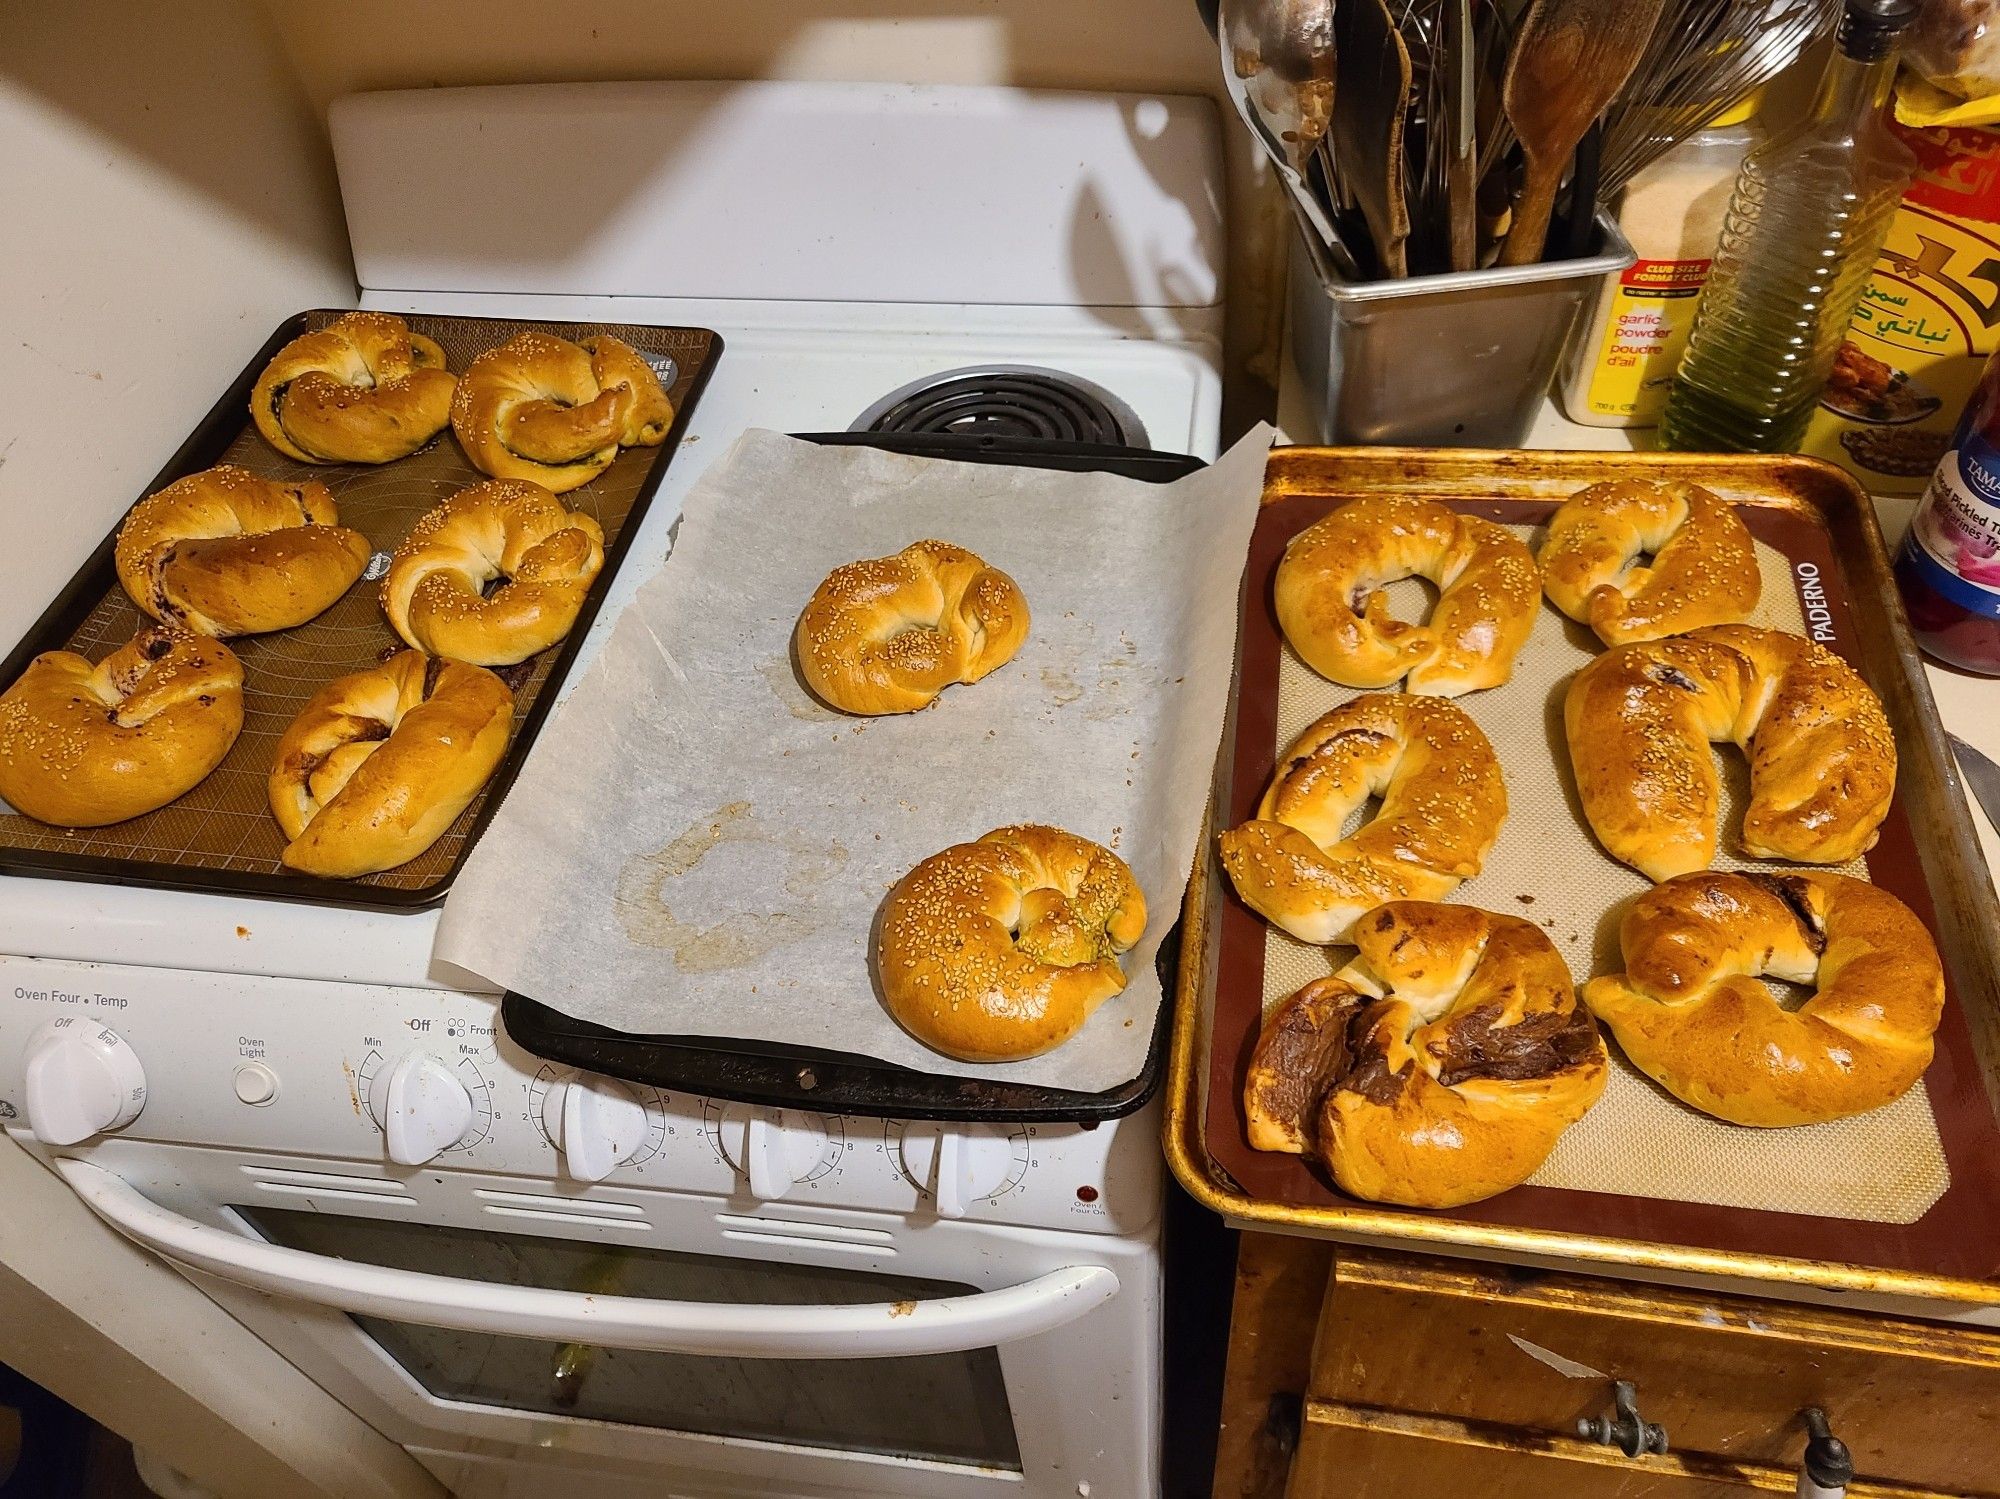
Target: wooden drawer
(1917,1403)
(1347,1453)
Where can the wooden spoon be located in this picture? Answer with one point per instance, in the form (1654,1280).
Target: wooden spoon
(1370,99)
(1570,59)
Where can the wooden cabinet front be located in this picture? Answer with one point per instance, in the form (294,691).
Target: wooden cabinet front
(1442,1379)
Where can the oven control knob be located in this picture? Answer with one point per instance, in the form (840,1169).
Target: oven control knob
(596,1123)
(775,1148)
(82,1079)
(957,1163)
(421,1106)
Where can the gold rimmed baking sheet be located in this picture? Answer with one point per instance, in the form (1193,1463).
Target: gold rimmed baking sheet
(1902,1187)
(221,835)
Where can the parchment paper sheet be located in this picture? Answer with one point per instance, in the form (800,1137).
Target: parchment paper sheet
(698,847)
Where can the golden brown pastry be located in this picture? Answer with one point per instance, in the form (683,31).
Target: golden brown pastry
(1692,1014)
(1703,572)
(83,745)
(1640,719)
(1331,606)
(556,413)
(889,634)
(378,764)
(1001,949)
(1438,1068)
(224,552)
(505,531)
(363,389)
(1443,801)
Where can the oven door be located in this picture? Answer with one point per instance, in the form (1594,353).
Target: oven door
(964,1362)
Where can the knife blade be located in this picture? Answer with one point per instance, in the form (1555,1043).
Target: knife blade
(1981,774)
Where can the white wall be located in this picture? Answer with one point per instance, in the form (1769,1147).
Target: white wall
(167,199)
(1142,45)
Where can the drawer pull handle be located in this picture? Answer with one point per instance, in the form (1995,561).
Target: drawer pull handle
(1624,1428)
(1829,1466)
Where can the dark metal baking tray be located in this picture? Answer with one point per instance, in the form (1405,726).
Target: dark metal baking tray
(221,837)
(753,1072)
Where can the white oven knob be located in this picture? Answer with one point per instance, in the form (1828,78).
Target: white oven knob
(596,1123)
(421,1107)
(82,1079)
(957,1163)
(775,1148)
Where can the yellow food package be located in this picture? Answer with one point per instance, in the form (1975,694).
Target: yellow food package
(1927,321)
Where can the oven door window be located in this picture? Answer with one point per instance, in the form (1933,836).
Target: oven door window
(943,1407)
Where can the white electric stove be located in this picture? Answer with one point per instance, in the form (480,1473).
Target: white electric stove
(536,1280)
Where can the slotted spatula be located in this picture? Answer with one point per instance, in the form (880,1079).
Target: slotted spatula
(1570,59)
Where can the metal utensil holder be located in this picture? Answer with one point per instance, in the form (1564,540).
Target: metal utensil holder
(1457,360)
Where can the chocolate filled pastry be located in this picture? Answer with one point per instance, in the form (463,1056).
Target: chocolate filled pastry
(1692,1013)
(223,552)
(998,950)
(1332,609)
(84,745)
(1640,719)
(364,389)
(378,764)
(889,634)
(557,413)
(492,575)
(1442,803)
(1703,569)
(1436,1069)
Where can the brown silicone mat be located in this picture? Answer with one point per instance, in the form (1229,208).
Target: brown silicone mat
(221,835)
(1904,1187)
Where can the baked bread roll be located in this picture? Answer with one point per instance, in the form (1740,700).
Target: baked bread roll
(556,413)
(379,763)
(364,389)
(1640,719)
(83,745)
(506,531)
(889,634)
(1332,609)
(1691,1013)
(1001,949)
(1443,801)
(1703,572)
(224,552)
(1438,1068)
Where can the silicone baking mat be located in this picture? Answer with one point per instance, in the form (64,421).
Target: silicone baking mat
(221,835)
(1640,1163)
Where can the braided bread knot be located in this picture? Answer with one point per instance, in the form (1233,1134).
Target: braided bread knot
(1330,603)
(889,634)
(440,591)
(1442,803)
(557,413)
(1436,1069)
(223,552)
(1703,572)
(1640,719)
(1000,949)
(363,389)
(1691,1013)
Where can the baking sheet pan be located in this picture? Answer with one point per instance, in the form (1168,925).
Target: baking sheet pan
(1938,1170)
(221,836)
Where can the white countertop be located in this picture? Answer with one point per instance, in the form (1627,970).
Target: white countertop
(1969,705)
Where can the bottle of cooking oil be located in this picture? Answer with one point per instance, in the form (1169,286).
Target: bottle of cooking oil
(1807,218)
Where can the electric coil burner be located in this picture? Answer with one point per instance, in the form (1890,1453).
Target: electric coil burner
(1007,400)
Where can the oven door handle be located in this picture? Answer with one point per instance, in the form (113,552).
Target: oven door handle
(887,1329)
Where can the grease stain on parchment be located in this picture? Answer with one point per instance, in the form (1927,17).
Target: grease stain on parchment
(738,939)
(785,686)
(1062,687)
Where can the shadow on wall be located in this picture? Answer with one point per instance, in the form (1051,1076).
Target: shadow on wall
(123,71)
